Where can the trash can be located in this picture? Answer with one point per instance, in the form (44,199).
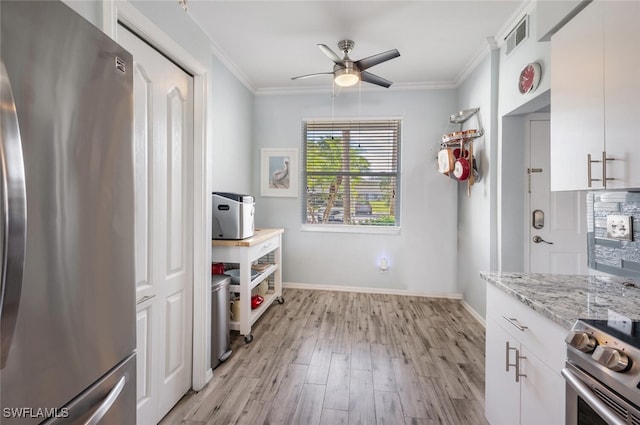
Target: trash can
(220,345)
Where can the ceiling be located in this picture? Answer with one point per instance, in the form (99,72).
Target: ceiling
(265,43)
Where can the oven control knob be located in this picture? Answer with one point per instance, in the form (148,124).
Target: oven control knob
(581,341)
(611,358)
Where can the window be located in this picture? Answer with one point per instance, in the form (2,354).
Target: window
(351,171)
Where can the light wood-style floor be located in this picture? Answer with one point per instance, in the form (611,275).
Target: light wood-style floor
(339,358)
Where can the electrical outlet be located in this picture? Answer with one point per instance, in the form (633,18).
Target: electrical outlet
(619,227)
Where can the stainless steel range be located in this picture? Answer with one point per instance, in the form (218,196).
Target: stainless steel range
(602,372)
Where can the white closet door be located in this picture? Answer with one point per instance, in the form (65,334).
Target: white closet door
(163,105)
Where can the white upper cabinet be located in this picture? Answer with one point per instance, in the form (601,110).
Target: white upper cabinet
(622,90)
(577,100)
(593,110)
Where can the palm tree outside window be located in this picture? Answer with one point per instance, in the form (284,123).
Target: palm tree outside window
(351,170)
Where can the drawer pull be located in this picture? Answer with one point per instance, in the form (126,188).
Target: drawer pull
(515,323)
(267,245)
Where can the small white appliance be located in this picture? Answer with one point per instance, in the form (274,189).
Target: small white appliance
(233,216)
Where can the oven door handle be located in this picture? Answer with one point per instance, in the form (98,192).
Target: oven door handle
(587,395)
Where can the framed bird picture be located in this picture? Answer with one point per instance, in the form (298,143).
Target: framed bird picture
(279,172)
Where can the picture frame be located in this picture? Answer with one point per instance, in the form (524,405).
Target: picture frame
(279,172)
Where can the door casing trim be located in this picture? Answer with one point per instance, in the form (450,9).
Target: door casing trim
(115,11)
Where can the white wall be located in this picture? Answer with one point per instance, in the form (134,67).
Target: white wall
(475,211)
(232,132)
(510,67)
(491,221)
(230,107)
(513,106)
(445,240)
(423,255)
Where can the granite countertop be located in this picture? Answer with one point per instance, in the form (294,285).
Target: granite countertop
(566,298)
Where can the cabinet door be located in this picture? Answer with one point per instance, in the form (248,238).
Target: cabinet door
(577,100)
(502,392)
(542,393)
(622,85)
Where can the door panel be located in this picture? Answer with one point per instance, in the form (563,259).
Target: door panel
(564,213)
(175,337)
(177,117)
(142,148)
(164,150)
(146,400)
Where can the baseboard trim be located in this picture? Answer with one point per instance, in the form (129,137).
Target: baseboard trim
(474,313)
(365,290)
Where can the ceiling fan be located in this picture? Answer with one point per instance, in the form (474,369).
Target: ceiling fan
(347,72)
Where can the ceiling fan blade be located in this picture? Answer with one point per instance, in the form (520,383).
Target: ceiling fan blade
(374,79)
(366,63)
(331,54)
(311,75)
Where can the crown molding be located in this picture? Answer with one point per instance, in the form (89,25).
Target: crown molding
(492,43)
(283,91)
(220,54)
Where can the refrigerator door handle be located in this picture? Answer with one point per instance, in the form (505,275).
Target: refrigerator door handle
(13,225)
(107,403)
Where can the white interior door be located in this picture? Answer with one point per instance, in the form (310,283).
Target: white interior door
(559,245)
(163,140)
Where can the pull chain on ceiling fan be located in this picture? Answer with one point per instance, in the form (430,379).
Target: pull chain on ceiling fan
(347,72)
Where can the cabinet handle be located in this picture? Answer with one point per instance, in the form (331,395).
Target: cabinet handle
(515,323)
(589,178)
(518,358)
(506,362)
(604,169)
(604,178)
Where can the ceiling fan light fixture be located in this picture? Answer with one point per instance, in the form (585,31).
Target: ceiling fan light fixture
(346,77)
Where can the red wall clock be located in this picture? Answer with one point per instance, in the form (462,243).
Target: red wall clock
(529,78)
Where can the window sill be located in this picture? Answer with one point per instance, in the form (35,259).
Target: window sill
(345,228)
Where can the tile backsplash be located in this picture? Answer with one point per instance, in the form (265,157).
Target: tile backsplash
(614,256)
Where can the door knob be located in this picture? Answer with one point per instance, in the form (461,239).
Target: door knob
(538,239)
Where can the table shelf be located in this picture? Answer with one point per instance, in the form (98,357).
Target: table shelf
(269,298)
(235,287)
(244,252)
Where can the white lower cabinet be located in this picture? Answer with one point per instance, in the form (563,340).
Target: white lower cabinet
(502,392)
(524,356)
(541,393)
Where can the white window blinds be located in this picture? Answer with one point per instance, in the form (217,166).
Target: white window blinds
(351,171)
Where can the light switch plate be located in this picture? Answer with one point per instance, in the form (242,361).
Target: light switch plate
(619,227)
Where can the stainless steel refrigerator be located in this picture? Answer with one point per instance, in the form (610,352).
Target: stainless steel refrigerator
(67,213)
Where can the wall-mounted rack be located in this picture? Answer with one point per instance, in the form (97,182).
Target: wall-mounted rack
(455,158)
(457,132)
